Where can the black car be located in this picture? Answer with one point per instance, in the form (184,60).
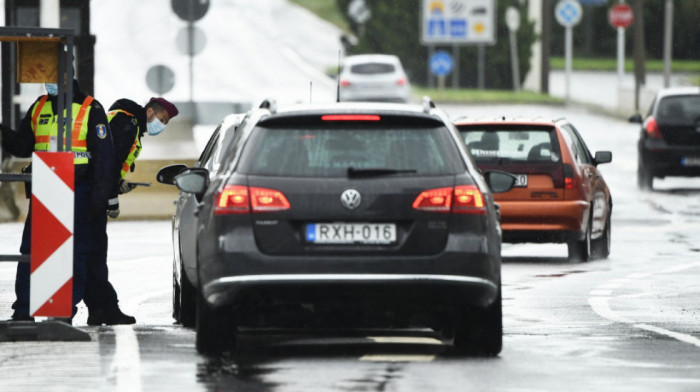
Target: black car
(669,142)
(185,222)
(346,215)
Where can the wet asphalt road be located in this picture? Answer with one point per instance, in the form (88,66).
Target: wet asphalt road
(628,323)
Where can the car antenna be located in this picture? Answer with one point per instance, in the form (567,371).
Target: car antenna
(311,89)
(337,80)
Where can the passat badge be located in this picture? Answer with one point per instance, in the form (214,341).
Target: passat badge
(350,199)
(101,131)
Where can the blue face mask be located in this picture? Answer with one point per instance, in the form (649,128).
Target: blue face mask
(155,127)
(51,88)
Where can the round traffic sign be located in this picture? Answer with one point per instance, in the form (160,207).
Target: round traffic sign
(441,63)
(190,10)
(568,12)
(621,15)
(512,19)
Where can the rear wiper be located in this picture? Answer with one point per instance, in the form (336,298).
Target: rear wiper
(372,172)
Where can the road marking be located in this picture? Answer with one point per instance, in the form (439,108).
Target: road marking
(126,364)
(397,358)
(598,301)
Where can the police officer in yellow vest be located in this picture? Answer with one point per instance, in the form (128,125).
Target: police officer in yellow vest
(94,162)
(128,121)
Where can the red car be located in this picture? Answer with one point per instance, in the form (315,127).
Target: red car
(560,196)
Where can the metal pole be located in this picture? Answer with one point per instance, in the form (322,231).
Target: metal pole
(455,71)
(668,42)
(69,92)
(568,49)
(515,63)
(431,51)
(481,67)
(620,54)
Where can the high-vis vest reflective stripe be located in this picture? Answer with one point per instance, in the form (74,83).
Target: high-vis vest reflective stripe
(135,148)
(45,129)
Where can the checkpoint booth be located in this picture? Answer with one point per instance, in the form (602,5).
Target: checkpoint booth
(43,56)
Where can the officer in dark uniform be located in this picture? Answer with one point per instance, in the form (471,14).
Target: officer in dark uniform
(128,121)
(94,164)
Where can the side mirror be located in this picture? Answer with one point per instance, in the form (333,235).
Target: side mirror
(603,157)
(194,180)
(499,181)
(636,118)
(167,174)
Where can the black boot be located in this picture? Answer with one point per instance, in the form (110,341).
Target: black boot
(109,317)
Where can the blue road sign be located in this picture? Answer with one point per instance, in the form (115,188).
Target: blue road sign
(441,63)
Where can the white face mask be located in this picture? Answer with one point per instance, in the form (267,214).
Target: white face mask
(155,127)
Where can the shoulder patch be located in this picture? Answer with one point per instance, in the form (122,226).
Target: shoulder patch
(101,131)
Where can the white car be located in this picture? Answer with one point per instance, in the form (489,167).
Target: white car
(373,77)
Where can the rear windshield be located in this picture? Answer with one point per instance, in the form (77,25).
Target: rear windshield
(512,145)
(329,151)
(682,108)
(372,68)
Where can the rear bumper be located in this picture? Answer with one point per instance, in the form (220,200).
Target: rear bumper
(466,272)
(475,291)
(543,222)
(662,159)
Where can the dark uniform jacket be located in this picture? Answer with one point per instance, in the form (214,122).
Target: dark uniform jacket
(125,129)
(98,172)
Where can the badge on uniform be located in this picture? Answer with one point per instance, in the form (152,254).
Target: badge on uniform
(101,131)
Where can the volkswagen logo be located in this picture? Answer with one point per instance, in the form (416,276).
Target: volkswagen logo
(350,199)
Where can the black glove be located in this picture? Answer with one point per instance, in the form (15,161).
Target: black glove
(8,135)
(125,187)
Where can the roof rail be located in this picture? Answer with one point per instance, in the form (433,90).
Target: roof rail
(269,104)
(428,104)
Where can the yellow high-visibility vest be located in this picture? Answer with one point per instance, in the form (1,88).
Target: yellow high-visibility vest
(44,126)
(135,148)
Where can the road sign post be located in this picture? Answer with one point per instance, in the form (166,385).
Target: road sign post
(568,13)
(513,24)
(458,22)
(620,17)
(441,64)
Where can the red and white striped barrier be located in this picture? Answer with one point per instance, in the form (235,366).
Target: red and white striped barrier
(51,282)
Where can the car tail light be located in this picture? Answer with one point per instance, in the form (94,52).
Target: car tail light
(350,117)
(402,81)
(233,199)
(569,179)
(344,83)
(652,128)
(436,200)
(239,199)
(266,200)
(462,199)
(468,200)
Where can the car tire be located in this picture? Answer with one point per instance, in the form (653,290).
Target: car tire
(645,181)
(213,333)
(176,298)
(479,331)
(580,250)
(601,246)
(188,302)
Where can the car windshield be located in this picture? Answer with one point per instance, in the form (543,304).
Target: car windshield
(680,108)
(372,68)
(318,151)
(494,144)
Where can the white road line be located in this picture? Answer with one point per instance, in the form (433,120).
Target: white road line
(126,364)
(599,303)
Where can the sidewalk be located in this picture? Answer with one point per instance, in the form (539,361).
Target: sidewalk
(602,89)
